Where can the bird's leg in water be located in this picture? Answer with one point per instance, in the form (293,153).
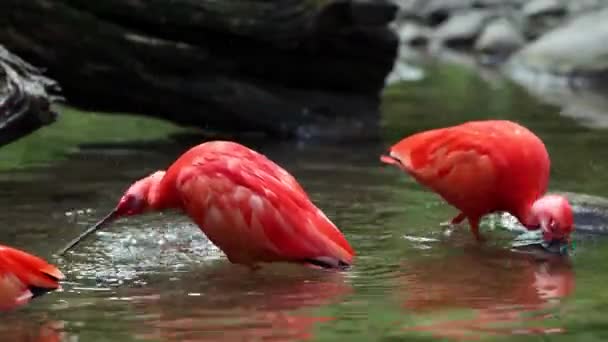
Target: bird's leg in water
(458,219)
(474,223)
(450,225)
(455,221)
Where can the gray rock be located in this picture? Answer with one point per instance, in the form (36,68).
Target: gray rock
(544,7)
(431,11)
(580,6)
(463,27)
(414,34)
(500,36)
(543,16)
(497,3)
(434,6)
(579,47)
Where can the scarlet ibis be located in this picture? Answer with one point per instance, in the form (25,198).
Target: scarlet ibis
(488,166)
(247,205)
(24,276)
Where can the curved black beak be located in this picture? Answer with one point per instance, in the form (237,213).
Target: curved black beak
(108,218)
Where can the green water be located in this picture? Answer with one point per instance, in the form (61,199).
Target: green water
(156,277)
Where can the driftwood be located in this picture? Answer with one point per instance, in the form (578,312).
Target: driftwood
(289,68)
(25,98)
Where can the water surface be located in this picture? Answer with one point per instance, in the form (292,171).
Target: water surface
(157,278)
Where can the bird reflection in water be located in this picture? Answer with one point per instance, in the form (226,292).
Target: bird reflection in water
(270,306)
(17,329)
(510,293)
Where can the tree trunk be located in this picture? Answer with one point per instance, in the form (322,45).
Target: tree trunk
(289,68)
(25,98)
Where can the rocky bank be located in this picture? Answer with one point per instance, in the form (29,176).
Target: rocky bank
(558,37)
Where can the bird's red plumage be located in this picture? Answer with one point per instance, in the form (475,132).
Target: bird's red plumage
(20,271)
(479,166)
(250,207)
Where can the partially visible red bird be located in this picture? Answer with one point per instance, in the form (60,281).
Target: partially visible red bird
(248,206)
(481,167)
(24,276)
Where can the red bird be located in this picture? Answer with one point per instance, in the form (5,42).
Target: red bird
(481,167)
(248,206)
(24,276)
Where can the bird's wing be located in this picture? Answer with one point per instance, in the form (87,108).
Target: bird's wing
(457,162)
(20,274)
(31,270)
(265,203)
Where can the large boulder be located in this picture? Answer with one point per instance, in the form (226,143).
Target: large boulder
(292,68)
(578,48)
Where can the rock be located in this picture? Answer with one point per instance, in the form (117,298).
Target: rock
(544,7)
(414,35)
(462,28)
(287,69)
(405,72)
(576,98)
(25,98)
(500,36)
(577,48)
(497,3)
(543,16)
(580,6)
(436,12)
(432,12)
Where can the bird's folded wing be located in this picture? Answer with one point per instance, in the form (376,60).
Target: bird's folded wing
(273,206)
(451,161)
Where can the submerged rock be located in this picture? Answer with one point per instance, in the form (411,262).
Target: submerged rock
(534,239)
(578,48)
(500,37)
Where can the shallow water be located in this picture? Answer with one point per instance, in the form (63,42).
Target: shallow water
(156,277)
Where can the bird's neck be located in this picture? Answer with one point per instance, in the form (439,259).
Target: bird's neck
(159,196)
(525,216)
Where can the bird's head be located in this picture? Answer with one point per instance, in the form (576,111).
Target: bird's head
(554,215)
(140,197)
